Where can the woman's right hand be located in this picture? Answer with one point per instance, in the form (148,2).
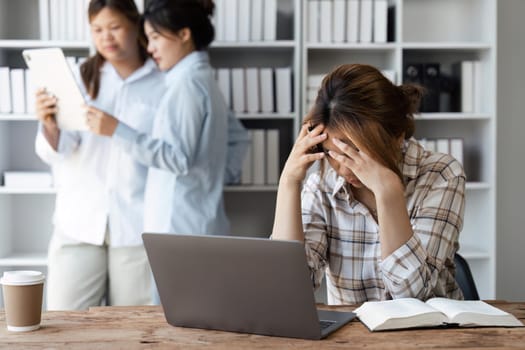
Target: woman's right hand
(46,109)
(301,157)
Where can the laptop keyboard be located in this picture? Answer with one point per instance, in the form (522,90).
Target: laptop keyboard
(325,324)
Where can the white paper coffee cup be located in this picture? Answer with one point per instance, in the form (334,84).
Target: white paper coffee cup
(23,291)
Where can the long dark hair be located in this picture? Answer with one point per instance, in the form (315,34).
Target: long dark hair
(358,101)
(90,70)
(173,16)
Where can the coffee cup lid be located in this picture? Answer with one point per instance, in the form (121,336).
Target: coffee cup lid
(21,278)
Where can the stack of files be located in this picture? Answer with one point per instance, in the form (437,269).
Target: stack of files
(257,90)
(27,179)
(245,20)
(261,165)
(17,92)
(338,21)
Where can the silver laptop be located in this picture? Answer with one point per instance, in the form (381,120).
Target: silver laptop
(248,285)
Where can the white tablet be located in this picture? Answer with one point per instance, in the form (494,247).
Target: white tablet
(49,69)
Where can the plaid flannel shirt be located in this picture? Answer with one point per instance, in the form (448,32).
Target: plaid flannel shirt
(342,237)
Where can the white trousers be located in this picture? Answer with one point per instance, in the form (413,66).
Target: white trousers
(81,275)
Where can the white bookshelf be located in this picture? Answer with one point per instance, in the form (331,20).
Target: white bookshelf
(445,32)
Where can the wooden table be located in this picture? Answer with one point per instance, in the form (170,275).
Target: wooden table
(145,328)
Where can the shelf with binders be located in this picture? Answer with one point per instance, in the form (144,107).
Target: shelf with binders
(349,23)
(461,82)
(448,21)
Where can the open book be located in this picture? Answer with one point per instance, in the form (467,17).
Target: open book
(411,312)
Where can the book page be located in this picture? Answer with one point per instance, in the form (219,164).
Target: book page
(452,308)
(398,313)
(473,312)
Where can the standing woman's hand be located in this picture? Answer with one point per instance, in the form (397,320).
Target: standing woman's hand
(301,157)
(46,109)
(100,122)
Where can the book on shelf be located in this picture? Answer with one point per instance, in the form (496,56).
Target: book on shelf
(252,90)
(247,164)
(283,89)
(365,21)
(270,20)
(230,20)
(219,16)
(380,21)
(256,23)
(413,73)
(238,82)
(442,146)
(243,24)
(313,21)
(267,90)
(30,92)
(456,149)
(43,10)
(352,21)
(435,312)
(272,156)
(5,90)
(464,98)
(18,91)
(339,21)
(431,82)
(258,157)
(325,21)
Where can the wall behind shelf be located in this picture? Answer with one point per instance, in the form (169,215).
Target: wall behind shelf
(510,281)
(11,27)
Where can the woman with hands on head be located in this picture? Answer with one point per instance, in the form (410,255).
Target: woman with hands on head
(96,252)
(380,214)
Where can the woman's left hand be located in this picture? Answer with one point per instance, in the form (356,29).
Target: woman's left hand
(99,122)
(370,172)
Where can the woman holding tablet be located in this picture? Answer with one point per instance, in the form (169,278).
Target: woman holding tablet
(96,250)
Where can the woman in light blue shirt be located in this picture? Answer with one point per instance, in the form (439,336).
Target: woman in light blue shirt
(187,149)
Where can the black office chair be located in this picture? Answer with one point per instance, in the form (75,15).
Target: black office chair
(464,278)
